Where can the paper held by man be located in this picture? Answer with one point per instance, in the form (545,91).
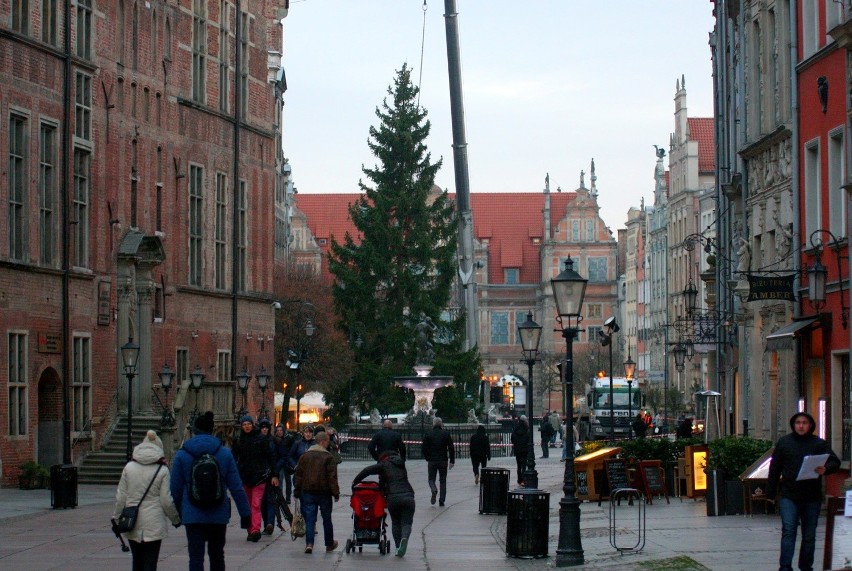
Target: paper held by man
(809,466)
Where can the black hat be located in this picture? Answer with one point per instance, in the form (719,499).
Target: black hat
(264,422)
(204,423)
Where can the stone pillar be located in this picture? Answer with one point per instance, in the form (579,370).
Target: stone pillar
(144,296)
(123,329)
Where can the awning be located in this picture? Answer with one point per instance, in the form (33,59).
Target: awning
(783,338)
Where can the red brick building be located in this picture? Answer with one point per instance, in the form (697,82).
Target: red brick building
(143,144)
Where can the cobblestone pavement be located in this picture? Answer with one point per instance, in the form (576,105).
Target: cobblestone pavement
(34,536)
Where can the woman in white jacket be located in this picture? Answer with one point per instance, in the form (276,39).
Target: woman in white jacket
(151,525)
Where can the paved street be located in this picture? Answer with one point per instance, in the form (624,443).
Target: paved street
(33,536)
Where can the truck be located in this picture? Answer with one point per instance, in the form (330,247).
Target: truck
(593,411)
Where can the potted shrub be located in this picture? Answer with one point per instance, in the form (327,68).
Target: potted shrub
(33,476)
(729,457)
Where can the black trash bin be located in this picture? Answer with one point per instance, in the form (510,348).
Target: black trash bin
(528,523)
(63,486)
(493,489)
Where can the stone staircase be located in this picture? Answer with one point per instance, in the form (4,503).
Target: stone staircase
(105,466)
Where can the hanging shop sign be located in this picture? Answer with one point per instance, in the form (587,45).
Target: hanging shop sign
(777,288)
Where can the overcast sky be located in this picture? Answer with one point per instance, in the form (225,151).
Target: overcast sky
(548,85)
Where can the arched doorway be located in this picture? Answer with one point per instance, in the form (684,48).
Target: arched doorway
(49,434)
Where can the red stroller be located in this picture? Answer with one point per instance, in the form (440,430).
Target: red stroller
(369,515)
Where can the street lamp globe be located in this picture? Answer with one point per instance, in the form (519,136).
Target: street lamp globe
(530,334)
(629,367)
(569,289)
(130,356)
(262,378)
(243,380)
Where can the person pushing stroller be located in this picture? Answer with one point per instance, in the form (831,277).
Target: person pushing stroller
(400,495)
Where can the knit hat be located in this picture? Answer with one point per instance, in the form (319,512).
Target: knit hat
(204,423)
(246,418)
(152,437)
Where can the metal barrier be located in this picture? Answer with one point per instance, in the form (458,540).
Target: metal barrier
(528,522)
(493,490)
(63,486)
(354,439)
(615,500)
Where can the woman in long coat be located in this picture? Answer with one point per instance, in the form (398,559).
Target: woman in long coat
(480,451)
(148,466)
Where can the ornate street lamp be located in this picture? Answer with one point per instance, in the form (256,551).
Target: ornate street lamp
(569,289)
(629,371)
(530,333)
(262,382)
(298,406)
(130,355)
(690,297)
(606,341)
(243,379)
(196,381)
(167,420)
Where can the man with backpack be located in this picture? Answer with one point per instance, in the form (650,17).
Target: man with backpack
(253,454)
(203,471)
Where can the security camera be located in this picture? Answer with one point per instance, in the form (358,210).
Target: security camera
(276,305)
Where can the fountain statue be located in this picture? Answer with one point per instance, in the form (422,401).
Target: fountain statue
(423,384)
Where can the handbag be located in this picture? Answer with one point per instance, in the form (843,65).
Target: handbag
(128,516)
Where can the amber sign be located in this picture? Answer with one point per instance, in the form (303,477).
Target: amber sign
(778,288)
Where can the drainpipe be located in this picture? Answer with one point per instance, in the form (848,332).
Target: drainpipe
(235,233)
(794,169)
(66,277)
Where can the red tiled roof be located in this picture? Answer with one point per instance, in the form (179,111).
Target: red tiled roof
(509,221)
(701,129)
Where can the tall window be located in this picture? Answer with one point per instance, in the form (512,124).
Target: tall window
(219,253)
(196,182)
(223,57)
(836,194)
(199,50)
(84,29)
(244,65)
(181,365)
(17,384)
(575,230)
(590,230)
(119,31)
(46,193)
(21,16)
(48,21)
(81,384)
(813,217)
(833,14)
(598,269)
(594,333)
(594,310)
(134,36)
(810,27)
(499,328)
(83,107)
(17,186)
(520,317)
(223,366)
(242,237)
(80,208)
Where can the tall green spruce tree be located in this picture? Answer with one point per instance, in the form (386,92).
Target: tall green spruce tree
(402,268)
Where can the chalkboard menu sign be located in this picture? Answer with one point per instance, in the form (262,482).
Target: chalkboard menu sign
(582,483)
(616,474)
(651,473)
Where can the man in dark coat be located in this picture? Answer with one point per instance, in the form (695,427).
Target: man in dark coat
(384,440)
(521,446)
(253,454)
(798,499)
(206,527)
(547,432)
(394,480)
(315,483)
(639,426)
(440,454)
(480,450)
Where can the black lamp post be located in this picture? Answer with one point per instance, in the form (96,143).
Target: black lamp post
(606,341)
(167,420)
(298,406)
(530,333)
(130,355)
(629,371)
(262,382)
(242,383)
(569,288)
(679,354)
(196,381)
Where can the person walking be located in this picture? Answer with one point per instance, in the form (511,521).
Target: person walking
(798,500)
(267,504)
(480,450)
(284,440)
(556,423)
(145,483)
(639,426)
(384,440)
(440,455)
(253,454)
(300,446)
(315,483)
(547,432)
(393,478)
(684,429)
(521,446)
(206,525)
